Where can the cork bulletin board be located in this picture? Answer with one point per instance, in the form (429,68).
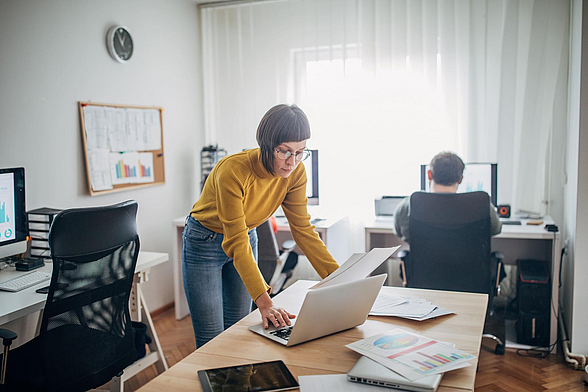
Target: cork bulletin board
(123,146)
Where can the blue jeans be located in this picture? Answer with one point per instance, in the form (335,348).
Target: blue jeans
(216,295)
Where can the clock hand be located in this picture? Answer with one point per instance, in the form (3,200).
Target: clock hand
(120,39)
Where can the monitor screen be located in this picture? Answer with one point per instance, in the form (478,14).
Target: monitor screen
(476,177)
(13,215)
(312,184)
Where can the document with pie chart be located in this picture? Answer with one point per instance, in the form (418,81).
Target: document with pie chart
(410,355)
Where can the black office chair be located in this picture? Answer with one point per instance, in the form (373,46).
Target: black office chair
(275,267)
(450,249)
(86,336)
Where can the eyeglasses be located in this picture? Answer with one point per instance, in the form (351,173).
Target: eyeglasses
(299,156)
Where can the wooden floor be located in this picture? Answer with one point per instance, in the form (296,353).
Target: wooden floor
(510,372)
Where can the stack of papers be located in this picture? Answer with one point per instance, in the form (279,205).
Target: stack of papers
(410,355)
(358,266)
(413,308)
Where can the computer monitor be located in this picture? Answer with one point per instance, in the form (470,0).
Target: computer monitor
(13,215)
(312,183)
(476,177)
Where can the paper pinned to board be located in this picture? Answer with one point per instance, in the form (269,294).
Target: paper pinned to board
(358,266)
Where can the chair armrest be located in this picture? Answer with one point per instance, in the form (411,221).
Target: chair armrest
(288,245)
(498,256)
(7,336)
(500,273)
(403,269)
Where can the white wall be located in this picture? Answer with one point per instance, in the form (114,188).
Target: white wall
(575,267)
(52,55)
(579,334)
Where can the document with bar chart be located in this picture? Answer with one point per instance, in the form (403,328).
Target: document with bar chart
(131,167)
(410,355)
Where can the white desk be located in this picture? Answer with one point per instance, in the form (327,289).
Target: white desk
(514,242)
(14,306)
(333,231)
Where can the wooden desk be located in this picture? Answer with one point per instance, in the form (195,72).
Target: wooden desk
(328,355)
(514,242)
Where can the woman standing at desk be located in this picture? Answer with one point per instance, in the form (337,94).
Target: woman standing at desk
(219,257)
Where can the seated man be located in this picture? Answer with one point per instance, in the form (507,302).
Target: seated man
(445,175)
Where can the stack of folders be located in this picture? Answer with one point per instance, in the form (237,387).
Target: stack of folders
(39,224)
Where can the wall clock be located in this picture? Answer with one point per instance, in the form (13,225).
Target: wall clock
(119,43)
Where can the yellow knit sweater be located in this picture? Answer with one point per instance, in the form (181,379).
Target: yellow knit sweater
(239,195)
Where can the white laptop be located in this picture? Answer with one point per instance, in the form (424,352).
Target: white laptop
(367,371)
(328,310)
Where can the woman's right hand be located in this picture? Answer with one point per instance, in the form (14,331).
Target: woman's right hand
(271,313)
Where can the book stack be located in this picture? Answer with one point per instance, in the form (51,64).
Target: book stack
(40,221)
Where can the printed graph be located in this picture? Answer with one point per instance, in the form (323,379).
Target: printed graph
(395,342)
(430,362)
(131,167)
(125,171)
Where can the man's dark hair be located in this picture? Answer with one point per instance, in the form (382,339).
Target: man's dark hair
(446,168)
(281,124)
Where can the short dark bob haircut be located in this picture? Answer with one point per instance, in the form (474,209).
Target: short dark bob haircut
(281,124)
(447,168)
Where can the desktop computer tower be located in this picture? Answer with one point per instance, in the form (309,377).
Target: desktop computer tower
(534,300)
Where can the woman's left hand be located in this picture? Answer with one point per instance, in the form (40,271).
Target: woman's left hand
(271,313)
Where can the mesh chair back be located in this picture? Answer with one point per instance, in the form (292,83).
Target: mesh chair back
(450,242)
(267,250)
(86,318)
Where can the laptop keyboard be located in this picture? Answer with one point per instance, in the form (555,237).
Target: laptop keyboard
(283,333)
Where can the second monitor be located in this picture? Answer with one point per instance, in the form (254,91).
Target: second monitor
(312,184)
(476,177)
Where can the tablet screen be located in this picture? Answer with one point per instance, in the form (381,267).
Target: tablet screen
(255,377)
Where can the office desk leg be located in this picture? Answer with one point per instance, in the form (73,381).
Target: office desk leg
(139,312)
(154,346)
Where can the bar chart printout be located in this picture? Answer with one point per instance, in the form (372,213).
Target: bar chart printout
(7,224)
(131,167)
(398,349)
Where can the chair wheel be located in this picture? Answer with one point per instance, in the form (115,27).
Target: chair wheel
(499,350)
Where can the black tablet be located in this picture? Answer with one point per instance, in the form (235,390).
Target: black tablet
(255,377)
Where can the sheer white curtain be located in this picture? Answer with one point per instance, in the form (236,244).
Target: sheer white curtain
(389,83)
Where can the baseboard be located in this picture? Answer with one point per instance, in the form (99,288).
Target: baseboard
(161,311)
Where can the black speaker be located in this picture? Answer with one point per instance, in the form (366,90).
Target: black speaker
(534,299)
(503,211)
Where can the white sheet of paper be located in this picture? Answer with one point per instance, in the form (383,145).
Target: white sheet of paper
(387,300)
(331,382)
(358,268)
(96,127)
(145,167)
(354,258)
(99,169)
(406,310)
(438,312)
(124,167)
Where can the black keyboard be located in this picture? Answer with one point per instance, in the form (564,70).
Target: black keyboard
(511,222)
(283,333)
